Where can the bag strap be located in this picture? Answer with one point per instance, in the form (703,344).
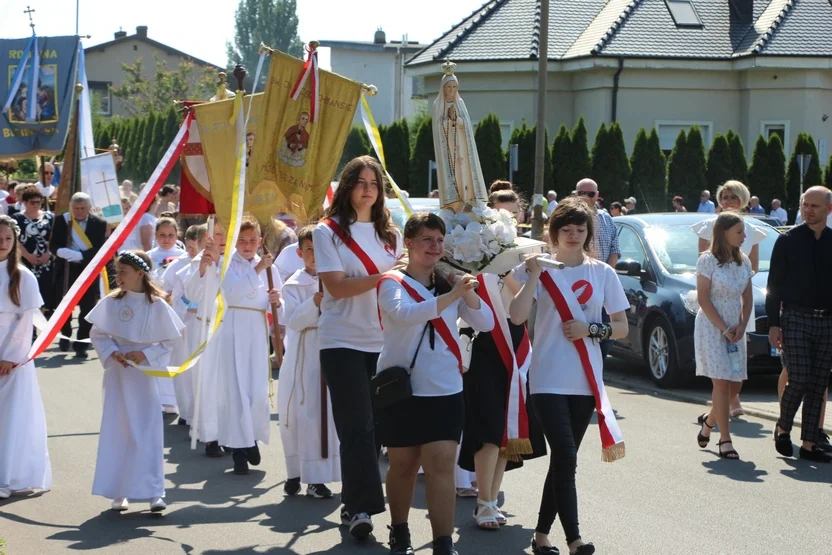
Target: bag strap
(418,346)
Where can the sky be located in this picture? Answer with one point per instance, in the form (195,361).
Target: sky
(201,29)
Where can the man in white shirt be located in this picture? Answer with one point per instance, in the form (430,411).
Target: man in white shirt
(777,211)
(47,172)
(705,203)
(552,197)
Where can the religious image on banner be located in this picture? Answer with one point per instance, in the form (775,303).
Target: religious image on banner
(37,86)
(100,181)
(299,142)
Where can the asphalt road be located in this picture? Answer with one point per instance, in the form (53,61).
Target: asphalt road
(666,497)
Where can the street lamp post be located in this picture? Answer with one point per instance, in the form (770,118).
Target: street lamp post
(803,162)
(540,142)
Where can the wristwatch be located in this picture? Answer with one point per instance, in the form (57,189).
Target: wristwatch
(594,330)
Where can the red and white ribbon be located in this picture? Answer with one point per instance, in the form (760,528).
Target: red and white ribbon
(310,71)
(516,435)
(93,269)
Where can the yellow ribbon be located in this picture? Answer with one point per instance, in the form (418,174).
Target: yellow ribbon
(375,140)
(76,227)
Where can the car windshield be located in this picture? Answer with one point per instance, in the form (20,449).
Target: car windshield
(400,216)
(677,247)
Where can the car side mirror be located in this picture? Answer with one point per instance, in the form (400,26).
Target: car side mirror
(628,267)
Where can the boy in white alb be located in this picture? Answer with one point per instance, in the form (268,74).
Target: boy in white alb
(242,352)
(299,392)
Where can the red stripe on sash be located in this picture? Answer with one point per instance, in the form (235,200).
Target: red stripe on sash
(351,244)
(504,347)
(566,315)
(438,323)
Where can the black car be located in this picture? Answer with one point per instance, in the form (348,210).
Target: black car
(658,271)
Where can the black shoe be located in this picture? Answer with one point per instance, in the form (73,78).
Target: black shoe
(346,519)
(823,443)
(212,449)
(783,444)
(585,549)
(318,491)
(240,461)
(253,455)
(444,545)
(292,486)
(815,454)
(182,422)
(81,353)
(544,549)
(400,540)
(701,439)
(63,345)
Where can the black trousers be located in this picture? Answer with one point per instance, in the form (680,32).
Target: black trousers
(347,373)
(565,419)
(807,348)
(87,303)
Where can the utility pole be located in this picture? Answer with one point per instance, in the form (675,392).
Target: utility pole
(540,141)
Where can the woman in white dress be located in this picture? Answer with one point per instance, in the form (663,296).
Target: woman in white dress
(733,195)
(24,458)
(723,286)
(134,325)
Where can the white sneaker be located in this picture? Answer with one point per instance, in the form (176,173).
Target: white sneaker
(120,505)
(170,409)
(158,505)
(5,493)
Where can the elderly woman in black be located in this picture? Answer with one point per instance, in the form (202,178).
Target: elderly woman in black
(35,229)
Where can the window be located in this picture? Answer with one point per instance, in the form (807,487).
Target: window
(669,130)
(631,247)
(684,14)
(100,93)
(776,127)
(418,90)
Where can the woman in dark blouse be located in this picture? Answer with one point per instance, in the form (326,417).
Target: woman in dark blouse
(35,230)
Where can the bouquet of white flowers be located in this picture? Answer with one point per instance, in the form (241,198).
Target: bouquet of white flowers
(474,239)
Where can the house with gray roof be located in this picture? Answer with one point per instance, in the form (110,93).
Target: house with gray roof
(754,66)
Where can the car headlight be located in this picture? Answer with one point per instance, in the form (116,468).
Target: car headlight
(690,301)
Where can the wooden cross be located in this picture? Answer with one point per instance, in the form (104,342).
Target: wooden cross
(104,180)
(29,11)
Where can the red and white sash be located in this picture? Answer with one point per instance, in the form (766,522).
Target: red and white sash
(516,435)
(612,441)
(439,323)
(351,244)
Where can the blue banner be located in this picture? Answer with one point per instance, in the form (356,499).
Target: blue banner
(37,119)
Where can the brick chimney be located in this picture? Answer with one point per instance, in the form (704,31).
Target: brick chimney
(120,34)
(141,31)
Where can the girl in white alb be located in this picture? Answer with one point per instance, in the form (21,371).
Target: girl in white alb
(354,245)
(133,326)
(24,457)
(566,375)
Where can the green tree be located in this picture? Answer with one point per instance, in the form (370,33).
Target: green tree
(420,158)
(760,177)
(648,171)
(609,166)
(397,153)
(271,22)
(489,141)
(133,151)
(677,166)
(525,138)
(777,166)
(804,144)
(140,95)
(145,164)
(719,167)
(620,162)
(561,159)
(157,140)
(579,156)
(124,139)
(693,176)
(170,127)
(357,144)
(739,163)
(827,175)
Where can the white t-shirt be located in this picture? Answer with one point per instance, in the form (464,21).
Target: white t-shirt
(781,214)
(556,367)
(352,322)
(288,262)
(134,240)
(753,234)
(436,372)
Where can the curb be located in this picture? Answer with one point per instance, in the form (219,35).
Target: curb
(692,398)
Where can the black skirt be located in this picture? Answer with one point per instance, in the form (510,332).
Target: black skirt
(420,420)
(486,395)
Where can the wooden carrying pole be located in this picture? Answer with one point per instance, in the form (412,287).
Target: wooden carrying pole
(69,179)
(324,403)
(278,345)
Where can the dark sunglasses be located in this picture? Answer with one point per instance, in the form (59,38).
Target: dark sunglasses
(590,194)
(49,173)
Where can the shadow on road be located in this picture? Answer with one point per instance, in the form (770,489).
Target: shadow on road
(738,470)
(805,471)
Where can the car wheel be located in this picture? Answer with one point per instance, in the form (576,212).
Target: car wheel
(660,354)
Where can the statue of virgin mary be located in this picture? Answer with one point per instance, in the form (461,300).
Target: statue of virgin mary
(458,171)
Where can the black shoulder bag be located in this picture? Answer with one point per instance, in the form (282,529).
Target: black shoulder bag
(392,385)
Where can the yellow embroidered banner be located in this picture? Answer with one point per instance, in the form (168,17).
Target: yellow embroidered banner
(294,159)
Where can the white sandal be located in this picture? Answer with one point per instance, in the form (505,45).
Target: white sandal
(485,514)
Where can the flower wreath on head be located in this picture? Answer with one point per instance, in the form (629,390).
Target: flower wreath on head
(11,222)
(134,260)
